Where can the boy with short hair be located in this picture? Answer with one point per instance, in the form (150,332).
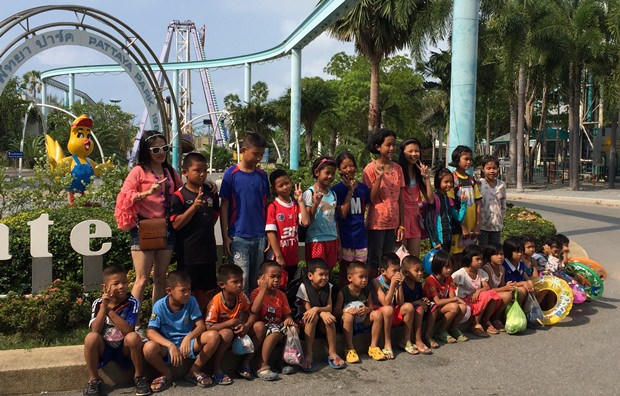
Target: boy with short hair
(112,336)
(356,309)
(228,313)
(176,331)
(244,192)
(269,303)
(314,298)
(384,289)
(548,259)
(283,217)
(194,209)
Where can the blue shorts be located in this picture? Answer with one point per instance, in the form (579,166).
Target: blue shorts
(135,239)
(359,328)
(192,354)
(116,355)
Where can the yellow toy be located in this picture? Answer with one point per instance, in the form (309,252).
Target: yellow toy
(80,146)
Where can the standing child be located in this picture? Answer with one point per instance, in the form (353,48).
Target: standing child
(194,209)
(383,289)
(244,194)
(176,332)
(269,303)
(473,287)
(320,201)
(112,335)
(441,211)
(493,203)
(228,313)
(417,188)
(283,217)
(411,292)
(385,220)
(314,298)
(356,310)
(529,248)
(493,258)
(466,192)
(440,289)
(352,199)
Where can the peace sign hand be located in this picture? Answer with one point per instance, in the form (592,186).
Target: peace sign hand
(423,168)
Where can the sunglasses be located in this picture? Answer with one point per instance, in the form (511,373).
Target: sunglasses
(157,150)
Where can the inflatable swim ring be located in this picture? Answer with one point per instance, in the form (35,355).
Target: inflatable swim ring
(599,269)
(579,293)
(587,277)
(563,294)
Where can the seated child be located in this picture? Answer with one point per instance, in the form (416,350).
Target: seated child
(514,269)
(411,299)
(228,314)
(270,305)
(529,248)
(314,299)
(473,287)
(493,257)
(176,331)
(548,259)
(356,311)
(440,289)
(565,251)
(383,289)
(112,335)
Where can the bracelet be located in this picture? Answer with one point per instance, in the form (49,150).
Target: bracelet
(401,227)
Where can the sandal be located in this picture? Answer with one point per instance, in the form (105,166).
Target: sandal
(198,378)
(352,356)
(498,325)
(389,354)
(160,384)
(376,353)
(266,374)
(307,366)
(425,351)
(432,343)
(222,379)
(458,334)
(336,362)
(445,337)
(492,330)
(478,331)
(245,372)
(410,348)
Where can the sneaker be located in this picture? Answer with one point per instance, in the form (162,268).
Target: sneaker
(141,333)
(93,388)
(143,387)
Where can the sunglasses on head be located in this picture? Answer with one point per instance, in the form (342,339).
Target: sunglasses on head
(156,150)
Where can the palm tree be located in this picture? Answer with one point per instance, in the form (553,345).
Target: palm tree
(380,28)
(32,82)
(317,97)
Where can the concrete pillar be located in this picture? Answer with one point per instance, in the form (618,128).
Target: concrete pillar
(176,138)
(464,68)
(247,82)
(295,107)
(41,273)
(71,90)
(43,108)
(93,266)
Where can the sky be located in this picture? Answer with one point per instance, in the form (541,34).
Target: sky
(233,27)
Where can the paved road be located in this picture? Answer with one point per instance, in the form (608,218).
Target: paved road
(575,357)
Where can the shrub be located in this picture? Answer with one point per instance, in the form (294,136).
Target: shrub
(520,221)
(15,274)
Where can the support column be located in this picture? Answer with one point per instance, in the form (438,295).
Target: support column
(71,90)
(295,107)
(464,69)
(247,83)
(43,108)
(174,112)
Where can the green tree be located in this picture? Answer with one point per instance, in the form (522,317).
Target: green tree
(255,116)
(31,82)
(12,110)
(317,97)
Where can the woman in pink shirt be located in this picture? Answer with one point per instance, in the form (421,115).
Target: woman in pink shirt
(384,223)
(146,194)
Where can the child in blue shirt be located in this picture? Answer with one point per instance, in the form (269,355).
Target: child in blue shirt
(176,331)
(244,193)
(515,269)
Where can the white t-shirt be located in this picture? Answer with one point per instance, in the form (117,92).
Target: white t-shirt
(465,285)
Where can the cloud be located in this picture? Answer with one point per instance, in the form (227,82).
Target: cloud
(71,55)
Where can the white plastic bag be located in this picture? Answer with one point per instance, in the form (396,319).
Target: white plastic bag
(242,345)
(293,352)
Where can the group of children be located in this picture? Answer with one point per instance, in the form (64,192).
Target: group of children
(354,224)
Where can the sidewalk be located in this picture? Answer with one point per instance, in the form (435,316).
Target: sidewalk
(587,194)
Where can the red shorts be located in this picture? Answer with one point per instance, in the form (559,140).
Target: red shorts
(397,317)
(327,250)
(483,300)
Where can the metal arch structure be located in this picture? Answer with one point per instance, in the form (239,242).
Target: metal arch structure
(105,32)
(323,16)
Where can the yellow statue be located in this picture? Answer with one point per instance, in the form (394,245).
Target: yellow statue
(80,146)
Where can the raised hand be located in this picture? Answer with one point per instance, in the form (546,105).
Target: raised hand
(298,193)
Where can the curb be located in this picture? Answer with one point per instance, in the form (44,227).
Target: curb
(557,198)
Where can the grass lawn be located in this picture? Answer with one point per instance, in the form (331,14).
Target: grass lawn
(19,341)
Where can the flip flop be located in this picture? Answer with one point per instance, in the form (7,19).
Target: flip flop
(425,351)
(160,384)
(410,348)
(492,330)
(479,332)
(198,378)
(458,334)
(245,372)
(432,343)
(307,366)
(332,362)
(389,354)
(222,379)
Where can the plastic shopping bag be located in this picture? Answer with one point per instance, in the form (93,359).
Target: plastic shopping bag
(293,352)
(242,345)
(516,322)
(401,252)
(533,312)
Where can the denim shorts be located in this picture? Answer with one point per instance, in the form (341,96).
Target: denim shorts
(248,253)
(135,239)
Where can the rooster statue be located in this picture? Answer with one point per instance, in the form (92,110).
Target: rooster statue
(80,146)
